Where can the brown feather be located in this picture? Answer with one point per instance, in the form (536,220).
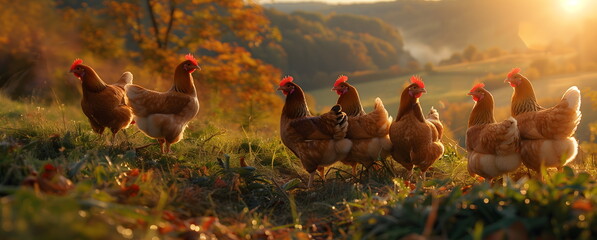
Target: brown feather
(146,102)
(368,131)
(482,112)
(415,140)
(536,122)
(409,104)
(317,141)
(492,147)
(350,101)
(103,104)
(523,99)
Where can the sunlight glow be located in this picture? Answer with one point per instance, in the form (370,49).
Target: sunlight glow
(572,6)
(322,1)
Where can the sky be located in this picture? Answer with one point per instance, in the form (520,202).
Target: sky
(326,1)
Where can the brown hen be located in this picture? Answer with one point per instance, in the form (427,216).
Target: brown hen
(318,141)
(547,134)
(165,115)
(493,148)
(369,132)
(416,139)
(105,105)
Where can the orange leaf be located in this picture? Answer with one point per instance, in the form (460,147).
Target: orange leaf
(166,229)
(583,204)
(168,216)
(131,190)
(134,172)
(207,224)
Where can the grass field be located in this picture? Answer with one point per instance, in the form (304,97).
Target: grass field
(204,191)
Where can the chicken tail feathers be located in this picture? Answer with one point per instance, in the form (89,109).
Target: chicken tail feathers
(512,131)
(511,142)
(433,118)
(383,119)
(572,97)
(341,122)
(433,114)
(378,104)
(125,79)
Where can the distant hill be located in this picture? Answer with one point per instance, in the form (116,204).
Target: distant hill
(317,47)
(291,7)
(432,30)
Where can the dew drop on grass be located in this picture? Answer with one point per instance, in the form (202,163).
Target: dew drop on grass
(195,228)
(82,213)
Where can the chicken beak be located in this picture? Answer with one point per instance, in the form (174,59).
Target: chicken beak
(197,67)
(507,80)
(469,94)
(335,89)
(423,90)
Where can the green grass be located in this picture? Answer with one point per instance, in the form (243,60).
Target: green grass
(202,189)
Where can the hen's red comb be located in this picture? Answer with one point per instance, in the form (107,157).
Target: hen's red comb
(514,71)
(478,85)
(286,80)
(75,63)
(418,81)
(191,58)
(49,167)
(340,79)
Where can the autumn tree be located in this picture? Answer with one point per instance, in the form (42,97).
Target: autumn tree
(316,47)
(157,33)
(34,42)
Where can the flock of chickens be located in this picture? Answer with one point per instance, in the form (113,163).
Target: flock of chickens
(533,135)
(160,115)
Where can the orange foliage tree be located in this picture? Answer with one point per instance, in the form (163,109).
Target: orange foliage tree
(30,49)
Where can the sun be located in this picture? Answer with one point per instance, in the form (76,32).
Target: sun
(572,6)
